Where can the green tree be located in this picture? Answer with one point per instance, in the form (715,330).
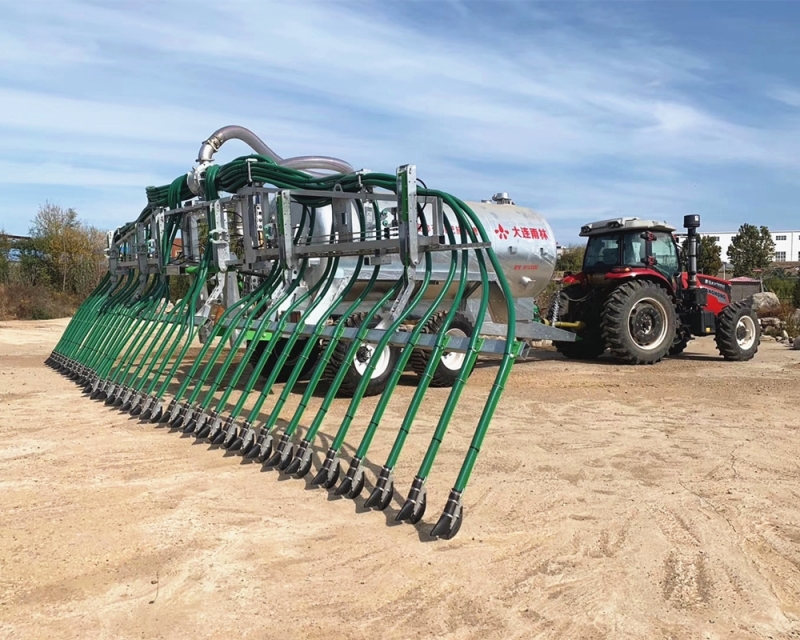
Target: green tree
(571,258)
(751,248)
(709,261)
(796,294)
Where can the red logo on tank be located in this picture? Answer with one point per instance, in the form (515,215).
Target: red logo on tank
(500,231)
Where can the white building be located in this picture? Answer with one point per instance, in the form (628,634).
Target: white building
(787,244)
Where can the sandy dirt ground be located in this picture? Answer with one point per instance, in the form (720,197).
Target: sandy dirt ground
(608,502)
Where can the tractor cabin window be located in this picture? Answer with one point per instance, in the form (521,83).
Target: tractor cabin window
(666,254)
(602,253)
(662,250)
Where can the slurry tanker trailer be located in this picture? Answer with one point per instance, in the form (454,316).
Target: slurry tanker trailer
(304,269)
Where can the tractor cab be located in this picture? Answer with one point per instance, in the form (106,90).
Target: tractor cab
(631,246)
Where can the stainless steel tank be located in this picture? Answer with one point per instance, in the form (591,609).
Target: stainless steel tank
(524,244)
(521,238)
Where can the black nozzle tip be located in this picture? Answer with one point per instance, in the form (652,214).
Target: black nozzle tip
(344,488)
(286,459)
(405,511)
(333,479)
(293,466)
(414,507)
(264,452)
(450,521)
(447,527)
(322,476)
(204,431)
(383,492)
(248,438)
(273,460)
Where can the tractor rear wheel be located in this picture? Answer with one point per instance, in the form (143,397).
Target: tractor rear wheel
(738,332)
(576,306)
(357,367)
(451,362)
(639,322)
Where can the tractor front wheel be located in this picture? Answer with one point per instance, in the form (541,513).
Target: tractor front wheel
(738,332)
(639,322)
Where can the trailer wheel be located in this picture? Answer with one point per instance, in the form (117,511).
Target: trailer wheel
(639,322)
(357,367)
(574,305)
(450,364)
(738,332)
(291,361)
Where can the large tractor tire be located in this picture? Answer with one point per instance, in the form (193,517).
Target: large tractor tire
(357,367)
(639,322)
(450,363)
(291,361)
(738,332)
(576,306)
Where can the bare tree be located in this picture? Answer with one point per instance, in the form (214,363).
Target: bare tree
(70,250)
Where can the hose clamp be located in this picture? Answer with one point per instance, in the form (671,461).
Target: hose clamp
(194,179)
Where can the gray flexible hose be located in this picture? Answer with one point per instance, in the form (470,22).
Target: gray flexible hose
(235,132)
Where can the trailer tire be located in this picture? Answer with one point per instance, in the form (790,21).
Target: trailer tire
(738,332)
(291,361)
(449,366)
(591,344)
(356,369)
(639,322)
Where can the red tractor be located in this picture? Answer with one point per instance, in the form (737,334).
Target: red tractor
(632,298)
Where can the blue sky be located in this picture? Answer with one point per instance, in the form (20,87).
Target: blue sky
(579,110)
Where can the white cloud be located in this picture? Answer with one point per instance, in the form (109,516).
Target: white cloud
(546,113)
(787,95)
(56,173)
(41,51)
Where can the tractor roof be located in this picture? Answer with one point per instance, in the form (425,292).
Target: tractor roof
(623,224)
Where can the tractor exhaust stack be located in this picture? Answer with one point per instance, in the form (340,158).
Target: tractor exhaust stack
(692,223)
